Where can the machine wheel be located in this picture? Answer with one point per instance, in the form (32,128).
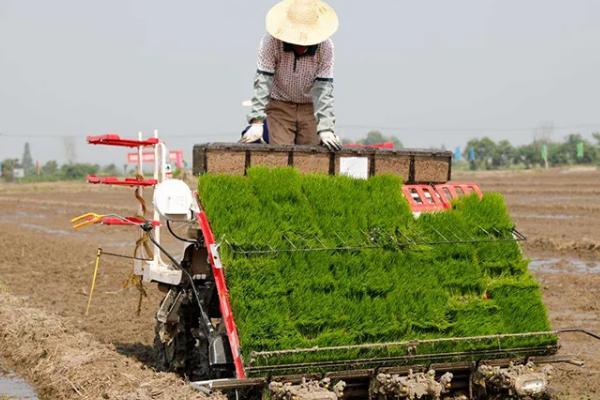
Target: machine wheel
(180,348)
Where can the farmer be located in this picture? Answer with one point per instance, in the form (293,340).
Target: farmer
(293,89)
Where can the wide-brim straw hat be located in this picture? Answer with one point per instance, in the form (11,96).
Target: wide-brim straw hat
(302,22)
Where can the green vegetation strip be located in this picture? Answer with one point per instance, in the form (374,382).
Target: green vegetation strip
(292,300)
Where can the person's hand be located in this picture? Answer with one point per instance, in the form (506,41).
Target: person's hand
(331,140)
(254,133)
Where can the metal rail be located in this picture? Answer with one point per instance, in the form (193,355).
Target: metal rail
(399,360)
(408,343)
(411,357)
(376,239)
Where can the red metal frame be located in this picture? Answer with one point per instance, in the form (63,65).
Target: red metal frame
(175,156)
(423,198)
(112,180)
(223,293)
(450,191)
(112,139)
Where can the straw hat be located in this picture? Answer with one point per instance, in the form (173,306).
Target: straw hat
(302,22)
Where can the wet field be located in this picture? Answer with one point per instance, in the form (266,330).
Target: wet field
(48,266)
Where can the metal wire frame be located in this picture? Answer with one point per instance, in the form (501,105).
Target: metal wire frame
(378,239)
(381,362)
(405,343)
(411,347)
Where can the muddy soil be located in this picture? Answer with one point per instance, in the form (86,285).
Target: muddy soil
(46,269)
(559,212)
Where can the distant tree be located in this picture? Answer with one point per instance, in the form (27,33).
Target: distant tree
(484,149)
(503,154)
(78,171)
(8,166)
(529,155)
(110,169)
(376,137)
(589,150)
(565,153)
(50,168)
(491,155)
(27,160)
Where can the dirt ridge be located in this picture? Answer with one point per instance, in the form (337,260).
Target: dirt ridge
(65,363)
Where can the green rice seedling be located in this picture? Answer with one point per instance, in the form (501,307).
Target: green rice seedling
(344,262)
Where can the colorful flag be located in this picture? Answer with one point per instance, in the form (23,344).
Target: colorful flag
(580,152)
(545,152)
(457,154)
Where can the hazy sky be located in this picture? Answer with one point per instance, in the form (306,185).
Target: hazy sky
(432,72)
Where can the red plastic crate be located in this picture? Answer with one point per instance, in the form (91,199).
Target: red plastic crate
(450,191)
(423,198)
(116,140)
(112,180)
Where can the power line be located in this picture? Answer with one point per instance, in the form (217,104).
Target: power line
(185,135)
(464,129)
(83,137)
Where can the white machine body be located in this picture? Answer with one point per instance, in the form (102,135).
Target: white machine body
(173,200)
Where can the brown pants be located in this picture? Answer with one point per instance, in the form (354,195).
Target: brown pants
(291,123)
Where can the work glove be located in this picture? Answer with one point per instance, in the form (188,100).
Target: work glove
(254,133)
(331,140)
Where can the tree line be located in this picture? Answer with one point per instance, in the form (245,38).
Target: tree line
(478,154)
(485,153)
(25,170)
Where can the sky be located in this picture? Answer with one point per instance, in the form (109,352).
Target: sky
(432,72)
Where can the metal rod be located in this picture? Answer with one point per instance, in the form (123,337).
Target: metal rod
(373,241)
(579,330)
(401,344)
(106,253)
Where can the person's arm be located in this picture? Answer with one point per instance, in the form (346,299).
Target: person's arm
(323,101)
(323,98)
(322,91)
(263,82)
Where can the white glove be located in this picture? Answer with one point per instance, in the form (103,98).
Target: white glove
(253,134)
(331,140)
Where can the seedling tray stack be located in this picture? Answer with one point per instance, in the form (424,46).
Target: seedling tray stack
(328,273)
(411,165)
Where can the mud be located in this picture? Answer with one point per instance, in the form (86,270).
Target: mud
(46,275)
(564,245)
(564,265)
(64,362)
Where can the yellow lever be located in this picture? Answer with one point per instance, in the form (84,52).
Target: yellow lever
(93,286)
(85,220)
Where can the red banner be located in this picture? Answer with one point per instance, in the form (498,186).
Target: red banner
(175,157)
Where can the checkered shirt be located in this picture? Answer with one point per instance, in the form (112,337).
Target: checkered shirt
(293,77)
